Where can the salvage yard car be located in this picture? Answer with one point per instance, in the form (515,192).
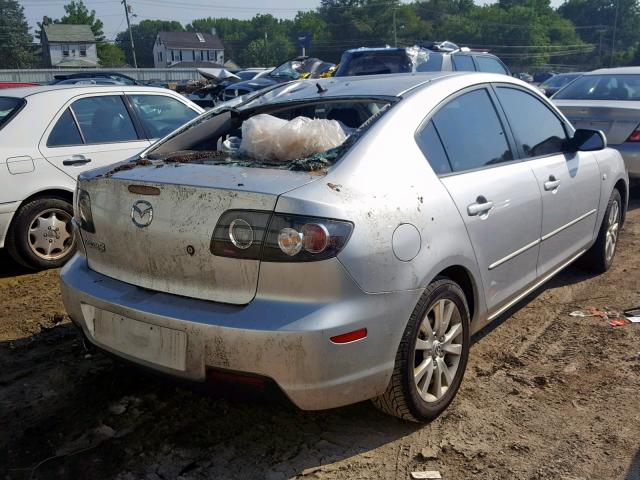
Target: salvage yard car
(356,273)
(48,135)
(608,100)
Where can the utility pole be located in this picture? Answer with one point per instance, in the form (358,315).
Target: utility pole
(600,31)
(395,33)
(613,42)
(133,48)
(266,49)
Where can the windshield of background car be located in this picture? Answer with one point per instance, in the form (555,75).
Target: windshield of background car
(374,63)
(602,87)
(8,108)
(558,81)
(288,70)
(246,75)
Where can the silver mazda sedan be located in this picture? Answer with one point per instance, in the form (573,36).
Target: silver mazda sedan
(358,272)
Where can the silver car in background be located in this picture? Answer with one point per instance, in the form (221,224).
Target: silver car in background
(607,100)
(360,272)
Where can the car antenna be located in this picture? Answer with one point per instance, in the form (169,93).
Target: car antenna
(321,89)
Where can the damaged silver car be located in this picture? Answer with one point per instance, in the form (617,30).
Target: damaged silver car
(358,271)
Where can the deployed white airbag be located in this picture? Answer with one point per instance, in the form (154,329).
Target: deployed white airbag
(265,137)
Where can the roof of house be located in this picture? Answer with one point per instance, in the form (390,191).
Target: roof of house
(195,65)
(76,63)
(60,32)
(190,40)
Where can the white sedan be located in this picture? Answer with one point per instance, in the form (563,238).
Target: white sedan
(49,135)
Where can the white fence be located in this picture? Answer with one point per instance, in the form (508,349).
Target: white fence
(43,75)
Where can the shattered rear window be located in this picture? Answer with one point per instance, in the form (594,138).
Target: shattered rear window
(305,136)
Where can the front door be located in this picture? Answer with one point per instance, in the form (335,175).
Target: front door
(569,182)
(497,197)
(92,132)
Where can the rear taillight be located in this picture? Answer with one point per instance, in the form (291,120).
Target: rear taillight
(278,237)
(85,217)
(635,135)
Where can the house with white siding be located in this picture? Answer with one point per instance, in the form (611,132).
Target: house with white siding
(187,49)
(68,46)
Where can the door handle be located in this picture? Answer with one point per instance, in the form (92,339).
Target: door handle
(481,206)
(76,160)
(551,184)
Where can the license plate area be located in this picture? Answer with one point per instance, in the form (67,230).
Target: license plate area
(158,345)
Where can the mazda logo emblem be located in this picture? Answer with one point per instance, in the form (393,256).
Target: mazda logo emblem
(142,213)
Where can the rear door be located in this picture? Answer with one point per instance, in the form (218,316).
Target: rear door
(569,182)
(497,197)
(90,132)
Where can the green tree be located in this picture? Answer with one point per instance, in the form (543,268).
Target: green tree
(77,13)
(596,20)
(15,39)
(110,55)
(144,36)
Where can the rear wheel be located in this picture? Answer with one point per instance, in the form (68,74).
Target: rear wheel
(599,257)
(41,235)
(432,355)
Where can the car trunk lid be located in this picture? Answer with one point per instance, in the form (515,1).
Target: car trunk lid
(167,249)
(617,119)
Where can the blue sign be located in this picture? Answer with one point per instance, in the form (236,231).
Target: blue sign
(304,40)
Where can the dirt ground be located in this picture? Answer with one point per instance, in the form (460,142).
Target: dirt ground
(546,396)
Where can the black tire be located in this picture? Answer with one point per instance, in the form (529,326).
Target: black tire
(18,242)
(402,398)
(596,259)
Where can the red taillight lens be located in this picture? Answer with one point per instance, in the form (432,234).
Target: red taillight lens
(315,237)
(635,136)
(350,337)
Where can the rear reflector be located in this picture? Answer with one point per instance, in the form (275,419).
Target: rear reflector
(635,136)
(350,337)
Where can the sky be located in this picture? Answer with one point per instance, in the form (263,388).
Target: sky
(111,12)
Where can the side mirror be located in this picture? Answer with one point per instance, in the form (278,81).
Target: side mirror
(587,141)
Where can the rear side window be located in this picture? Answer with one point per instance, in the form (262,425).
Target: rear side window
(104,119)
(161,115)
(9,106)
(65,132)
(463,63)
(471,132)
(431,146)
(536,128)
(433,63)
(488,64)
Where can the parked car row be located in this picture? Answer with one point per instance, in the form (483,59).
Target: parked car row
(345,275)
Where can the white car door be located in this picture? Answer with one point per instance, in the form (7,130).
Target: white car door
(92,131)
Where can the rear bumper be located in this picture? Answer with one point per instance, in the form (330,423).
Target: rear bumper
(284,340)
(631,154)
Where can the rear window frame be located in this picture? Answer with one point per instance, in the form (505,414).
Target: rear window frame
(6,120)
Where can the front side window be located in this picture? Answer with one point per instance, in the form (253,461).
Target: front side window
(471,132)
(463,63)
(65,132)
(491,65)
(602,87)
(161,115)
(536,128)
(104,119)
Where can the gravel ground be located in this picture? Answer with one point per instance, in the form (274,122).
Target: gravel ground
(546,396)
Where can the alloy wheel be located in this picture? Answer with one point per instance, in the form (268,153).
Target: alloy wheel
(50,234)
(612,230)
(438,350)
